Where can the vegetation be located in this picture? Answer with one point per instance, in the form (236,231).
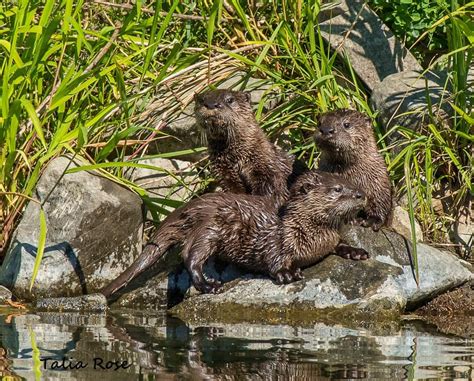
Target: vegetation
(100,80)
(76,80)
(438,159)
(409,19)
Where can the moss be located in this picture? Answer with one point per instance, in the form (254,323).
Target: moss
(301,313)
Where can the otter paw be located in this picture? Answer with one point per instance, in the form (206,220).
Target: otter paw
(216,288)
(354,253)
(208,288)
(376,226)
(278,278)
(284,277)
(374,222)
(214,283)
(298,274)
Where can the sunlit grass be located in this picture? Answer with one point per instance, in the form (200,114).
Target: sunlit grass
(100,81)
(439,156)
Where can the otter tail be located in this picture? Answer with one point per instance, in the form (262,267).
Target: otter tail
(165,237)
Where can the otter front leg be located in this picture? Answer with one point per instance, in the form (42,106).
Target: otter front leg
(368,219)
(283,277)
(298,274)
(374,222)
(350,252)
(288,276)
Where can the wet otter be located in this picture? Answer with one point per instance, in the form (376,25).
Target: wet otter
(247,231)
(241,156)
(348,147)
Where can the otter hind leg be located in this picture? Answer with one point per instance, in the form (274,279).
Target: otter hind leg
(350,252)
(195,254)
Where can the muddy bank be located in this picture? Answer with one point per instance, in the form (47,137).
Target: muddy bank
(451,312)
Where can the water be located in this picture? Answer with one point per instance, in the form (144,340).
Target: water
(140,347)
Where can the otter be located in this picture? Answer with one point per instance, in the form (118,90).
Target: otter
(241,157)
(246,230)
(348,148)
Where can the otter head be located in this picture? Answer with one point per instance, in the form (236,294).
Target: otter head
(325,199)
(344,133)
(223,113)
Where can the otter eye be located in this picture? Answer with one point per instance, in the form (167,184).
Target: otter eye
(346,125)
(229,100)
(338,188)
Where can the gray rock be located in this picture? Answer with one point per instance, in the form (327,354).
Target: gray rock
(5,294)
(371,47)
(94,234)
(167,283)
(173,180)
(154,294)
(461,231)
(402,99)
(326,294)
(439,270)
(180,131)
(401,224)
(378,289)
(93,302)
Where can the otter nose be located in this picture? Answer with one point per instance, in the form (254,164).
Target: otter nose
(326,130)
(211,104)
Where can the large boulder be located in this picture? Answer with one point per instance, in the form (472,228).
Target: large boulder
(334,289)
(439,271)
(374,52)
(94,233)
(400,222)
(403,98)
(167,283)
(172,181)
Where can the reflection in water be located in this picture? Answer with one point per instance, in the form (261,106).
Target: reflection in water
(128,347)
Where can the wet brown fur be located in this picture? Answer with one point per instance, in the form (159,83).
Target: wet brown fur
(241,156)
(247,230)
(348,147)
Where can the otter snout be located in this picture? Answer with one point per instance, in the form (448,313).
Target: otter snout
(211,105)
(209,102)
(326,130)
(324,135)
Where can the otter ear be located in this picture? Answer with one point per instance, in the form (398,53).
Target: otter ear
(305,188)
(248,96)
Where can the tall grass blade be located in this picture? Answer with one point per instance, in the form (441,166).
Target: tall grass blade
(411,212)
(41,245)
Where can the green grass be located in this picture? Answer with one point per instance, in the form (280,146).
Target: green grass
(79,77)
(409,19)
(438,158)
(99,81)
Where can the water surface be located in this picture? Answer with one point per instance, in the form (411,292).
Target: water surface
(135,346)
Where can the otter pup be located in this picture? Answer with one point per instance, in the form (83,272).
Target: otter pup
(246,230)
(348,148)
(241,156)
